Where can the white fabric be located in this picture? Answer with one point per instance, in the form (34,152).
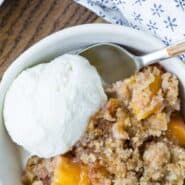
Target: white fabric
(165,19)
(1,2)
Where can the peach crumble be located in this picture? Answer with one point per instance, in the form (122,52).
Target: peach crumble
(138,138)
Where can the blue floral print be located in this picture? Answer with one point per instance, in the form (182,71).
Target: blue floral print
(170,23)
(163,18)
(157,9)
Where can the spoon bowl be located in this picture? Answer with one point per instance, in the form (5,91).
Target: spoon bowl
(114,63)
(111,61)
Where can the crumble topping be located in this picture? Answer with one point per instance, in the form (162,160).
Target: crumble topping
(127,141)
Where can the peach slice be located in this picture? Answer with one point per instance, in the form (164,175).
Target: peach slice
(140,112)
(70,173)
(176,129)
(112,105)
(156,84)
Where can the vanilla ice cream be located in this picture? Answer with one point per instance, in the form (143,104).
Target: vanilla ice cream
(48,106)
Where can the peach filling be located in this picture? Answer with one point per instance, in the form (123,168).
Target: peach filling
(139,112)
(176,129)
(70,173)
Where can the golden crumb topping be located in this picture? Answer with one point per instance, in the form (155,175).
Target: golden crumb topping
(129,141)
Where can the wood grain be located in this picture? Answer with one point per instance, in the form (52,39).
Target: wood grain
(24,22)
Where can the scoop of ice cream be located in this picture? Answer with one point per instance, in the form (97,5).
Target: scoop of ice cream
(47,107)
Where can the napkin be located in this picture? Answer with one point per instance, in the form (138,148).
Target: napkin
(164,19)
(1,2)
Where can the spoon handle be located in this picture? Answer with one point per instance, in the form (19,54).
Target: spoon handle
(176,49)
(165,53)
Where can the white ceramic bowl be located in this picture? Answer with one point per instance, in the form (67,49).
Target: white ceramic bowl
(1,2)
(11,156)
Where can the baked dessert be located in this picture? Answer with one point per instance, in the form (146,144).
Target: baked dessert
(137,138)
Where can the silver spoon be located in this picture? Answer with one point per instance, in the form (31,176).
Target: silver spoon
(115,63)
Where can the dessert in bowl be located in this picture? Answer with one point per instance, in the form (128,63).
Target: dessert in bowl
(128,140)
(137,137)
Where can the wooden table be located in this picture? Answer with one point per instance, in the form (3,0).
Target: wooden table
(24,22)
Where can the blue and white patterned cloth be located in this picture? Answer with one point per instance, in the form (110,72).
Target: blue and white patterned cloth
(165,19)
(1,2)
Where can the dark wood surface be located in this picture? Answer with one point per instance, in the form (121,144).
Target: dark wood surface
(24,22)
